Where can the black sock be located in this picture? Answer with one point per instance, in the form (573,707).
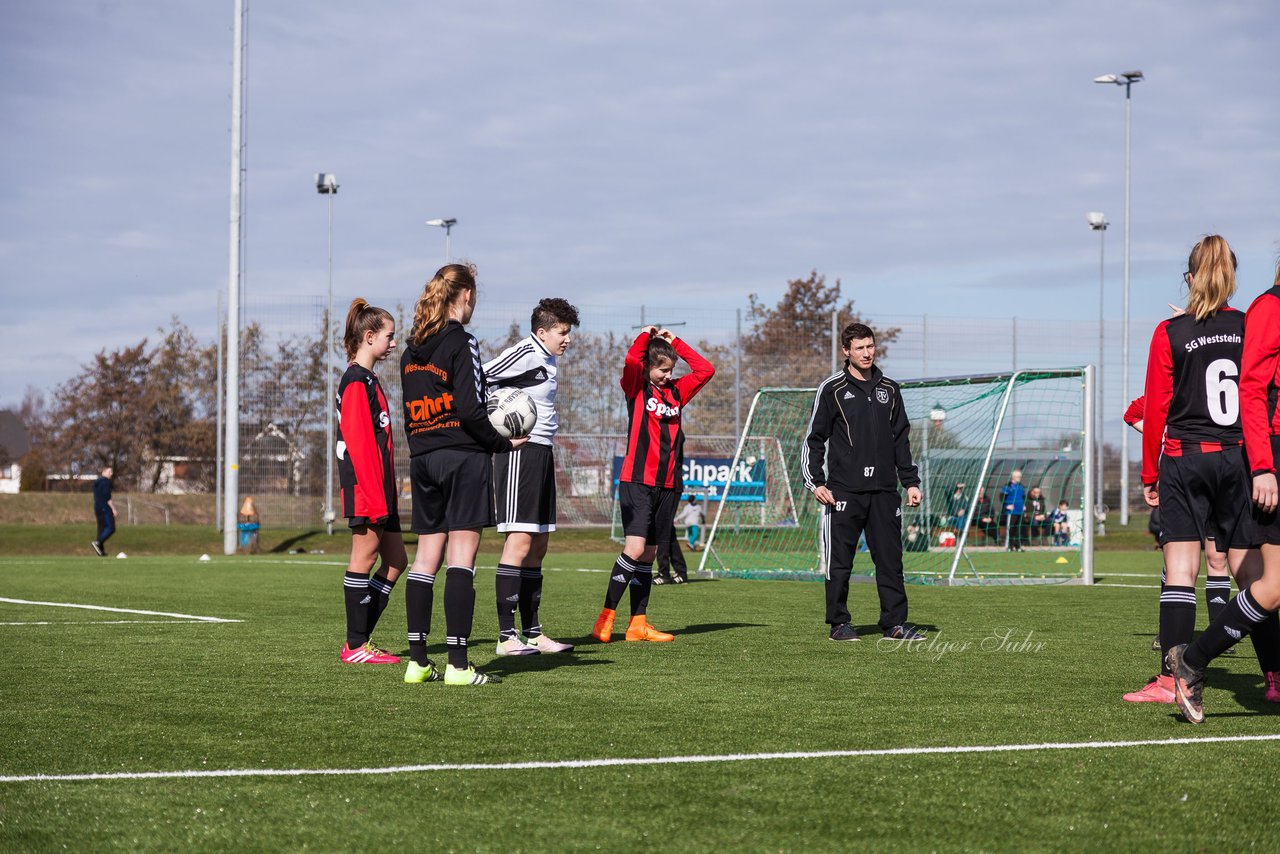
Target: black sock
(623,570)
(530,599)
(459,611)
(380,586)
(355,589)
(1217,593)
(641,584)
(1240,618)
(506,586)
(1266,643)
(1177,619)
(419,591)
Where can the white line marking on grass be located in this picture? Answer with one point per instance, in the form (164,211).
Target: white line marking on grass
(191,617)
(609,763)
(109,622)
(1136,586)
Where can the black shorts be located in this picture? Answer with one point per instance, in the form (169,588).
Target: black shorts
(1268,523)
(452,490)
(389,524)
(648,511)
(1207,496)
(524,483)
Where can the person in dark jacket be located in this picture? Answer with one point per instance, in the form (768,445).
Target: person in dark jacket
(859,430)
(104,509)
(451,444)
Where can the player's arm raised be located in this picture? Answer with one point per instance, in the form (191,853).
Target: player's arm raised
(702,370)
(633,374)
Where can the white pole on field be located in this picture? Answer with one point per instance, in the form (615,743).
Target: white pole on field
(231,492)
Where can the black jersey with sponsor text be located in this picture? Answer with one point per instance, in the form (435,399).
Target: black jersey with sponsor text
(1192,394)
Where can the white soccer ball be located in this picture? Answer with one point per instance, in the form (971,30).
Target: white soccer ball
(121,556)
(511,412)
(204,557)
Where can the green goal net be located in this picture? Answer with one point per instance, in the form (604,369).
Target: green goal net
(969,435)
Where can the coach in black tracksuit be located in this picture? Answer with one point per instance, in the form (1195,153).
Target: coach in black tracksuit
(859,428)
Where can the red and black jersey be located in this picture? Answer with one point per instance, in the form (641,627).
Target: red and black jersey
(1259,379)
(1192,397)
(655,440)
(366,467)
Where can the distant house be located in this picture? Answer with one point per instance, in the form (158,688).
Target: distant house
(14,444)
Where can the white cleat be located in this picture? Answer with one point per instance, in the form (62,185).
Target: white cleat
(515,646)
(548,646)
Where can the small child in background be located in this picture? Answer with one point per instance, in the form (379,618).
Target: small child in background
(691,515)
(1061,526)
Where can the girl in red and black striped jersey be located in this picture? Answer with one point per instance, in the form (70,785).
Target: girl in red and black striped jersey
(651,477)
(366,472)
(1193,465)
(1253,610)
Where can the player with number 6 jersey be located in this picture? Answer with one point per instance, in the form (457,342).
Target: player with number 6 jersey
(1193,465)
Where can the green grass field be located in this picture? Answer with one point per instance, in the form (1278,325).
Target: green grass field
(750,673)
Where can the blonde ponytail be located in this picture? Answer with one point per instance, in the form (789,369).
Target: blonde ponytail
(432,310)
(1212,267)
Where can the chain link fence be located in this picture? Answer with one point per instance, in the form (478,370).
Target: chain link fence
(283,453)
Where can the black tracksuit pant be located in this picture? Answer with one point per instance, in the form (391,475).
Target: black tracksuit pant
(880,515)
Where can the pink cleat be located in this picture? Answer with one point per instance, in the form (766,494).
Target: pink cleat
(1158,690)
(367,654)
(1272,679)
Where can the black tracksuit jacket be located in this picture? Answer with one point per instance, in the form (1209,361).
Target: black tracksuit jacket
(444,395)
(860,430)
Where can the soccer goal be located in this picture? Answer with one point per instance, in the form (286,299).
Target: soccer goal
(969,435)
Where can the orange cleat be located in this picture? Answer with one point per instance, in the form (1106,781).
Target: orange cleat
(603,630)
(640,630)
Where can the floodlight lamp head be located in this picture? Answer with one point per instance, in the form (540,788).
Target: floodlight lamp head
(326,183)
(1107,78)
(443,223)
(1132,76)
(1097,220)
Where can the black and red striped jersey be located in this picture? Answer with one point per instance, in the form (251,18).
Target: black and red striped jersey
(1192,396)
(655,439)
(1259,380)
(366,467)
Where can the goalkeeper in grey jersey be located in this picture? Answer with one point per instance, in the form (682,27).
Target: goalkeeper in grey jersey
(524,482)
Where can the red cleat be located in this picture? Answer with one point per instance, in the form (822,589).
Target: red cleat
(1158,690)
(367,654)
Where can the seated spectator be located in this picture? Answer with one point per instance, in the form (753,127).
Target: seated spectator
(958,506)
(1036,517)
(1061,525)
(985,519)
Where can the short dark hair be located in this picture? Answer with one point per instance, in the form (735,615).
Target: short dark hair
(856,332)
(552,311)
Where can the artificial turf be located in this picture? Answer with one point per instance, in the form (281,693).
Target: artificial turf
(751,672)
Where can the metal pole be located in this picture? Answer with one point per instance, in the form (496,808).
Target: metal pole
(220,330)
(835,341)
(447,255)
(328,402)
(1124,333)
(231,494)
(924,345)
(1088,446)
(1099,424)
(737,378)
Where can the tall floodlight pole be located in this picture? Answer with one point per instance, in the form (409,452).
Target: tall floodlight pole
(327,185)
(1125,79)
(1098,222)
(447,225)
(231,490)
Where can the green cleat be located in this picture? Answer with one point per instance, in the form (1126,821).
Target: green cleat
(469,676)
(417,673)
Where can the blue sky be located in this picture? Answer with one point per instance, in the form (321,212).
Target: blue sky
(929,155)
